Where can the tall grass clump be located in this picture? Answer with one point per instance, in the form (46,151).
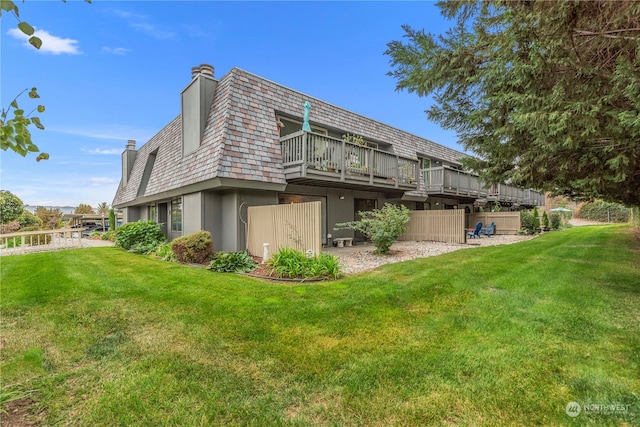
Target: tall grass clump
(293,264)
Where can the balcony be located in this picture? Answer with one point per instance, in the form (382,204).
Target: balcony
(506,193)
(446,180)
(533,198)
(314,159)
(511,194)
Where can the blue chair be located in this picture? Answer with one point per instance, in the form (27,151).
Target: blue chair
(490,230)
(475,232)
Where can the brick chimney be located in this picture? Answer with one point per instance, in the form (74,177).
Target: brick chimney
(128,157)
(196,101)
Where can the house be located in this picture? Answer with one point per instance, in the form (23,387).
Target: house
(242,140)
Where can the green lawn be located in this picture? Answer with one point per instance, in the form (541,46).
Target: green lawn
(493,336)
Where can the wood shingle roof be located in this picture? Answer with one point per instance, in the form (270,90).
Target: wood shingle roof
(241,138)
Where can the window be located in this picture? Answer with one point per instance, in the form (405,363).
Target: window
(291,126)
(176,214)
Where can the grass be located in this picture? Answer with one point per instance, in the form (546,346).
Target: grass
(494,336)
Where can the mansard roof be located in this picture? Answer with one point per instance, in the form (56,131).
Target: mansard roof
(241,139)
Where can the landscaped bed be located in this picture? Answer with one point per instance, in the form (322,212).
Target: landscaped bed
(496,336)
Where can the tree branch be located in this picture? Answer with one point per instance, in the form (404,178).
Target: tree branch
(608,34)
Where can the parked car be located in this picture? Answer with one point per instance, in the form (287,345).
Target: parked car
(93,229)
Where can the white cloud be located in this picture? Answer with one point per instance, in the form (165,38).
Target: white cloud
(50,44)
(153,30)
(106,151)
(141,23)
(115,132)
(116,50)
(101,180)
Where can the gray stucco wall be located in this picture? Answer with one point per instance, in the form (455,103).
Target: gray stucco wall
(338,210)
(213,217)
(226,221)
(132,214)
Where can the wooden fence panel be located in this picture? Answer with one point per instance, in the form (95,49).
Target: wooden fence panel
(297,226)
(439,226)
(506,222)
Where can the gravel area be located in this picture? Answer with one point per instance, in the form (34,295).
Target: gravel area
(361,257)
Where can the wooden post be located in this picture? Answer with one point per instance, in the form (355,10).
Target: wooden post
(397,171)
(371,166)
(303,168)
(343,161)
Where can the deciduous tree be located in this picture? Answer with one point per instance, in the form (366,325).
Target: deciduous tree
(546,93)
(382,226)
(83,209)
(14,123)
(11,206)
(51,218)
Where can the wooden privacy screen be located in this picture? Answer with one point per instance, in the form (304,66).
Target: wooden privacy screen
(506,222)
(297,226)
(439,226)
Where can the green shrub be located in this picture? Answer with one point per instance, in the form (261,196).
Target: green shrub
(555,221)
(604,212)
(290,263)
(381,226)
(112,220)
(144,248)
(545,219)
(528,223)
(536,220)
(109,235)
(27,219)
(142,232)
(194,248)
(165,252)
(232,262)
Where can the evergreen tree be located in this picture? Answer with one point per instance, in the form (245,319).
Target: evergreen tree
(546,93)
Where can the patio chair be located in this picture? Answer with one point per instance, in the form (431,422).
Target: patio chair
(490,230)
(475,232)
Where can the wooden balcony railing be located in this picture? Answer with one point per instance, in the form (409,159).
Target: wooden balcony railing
(450,181)
(313,156)
(512,194)
(41,240)
(446,180)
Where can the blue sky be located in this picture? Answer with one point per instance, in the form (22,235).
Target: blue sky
(112,71)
